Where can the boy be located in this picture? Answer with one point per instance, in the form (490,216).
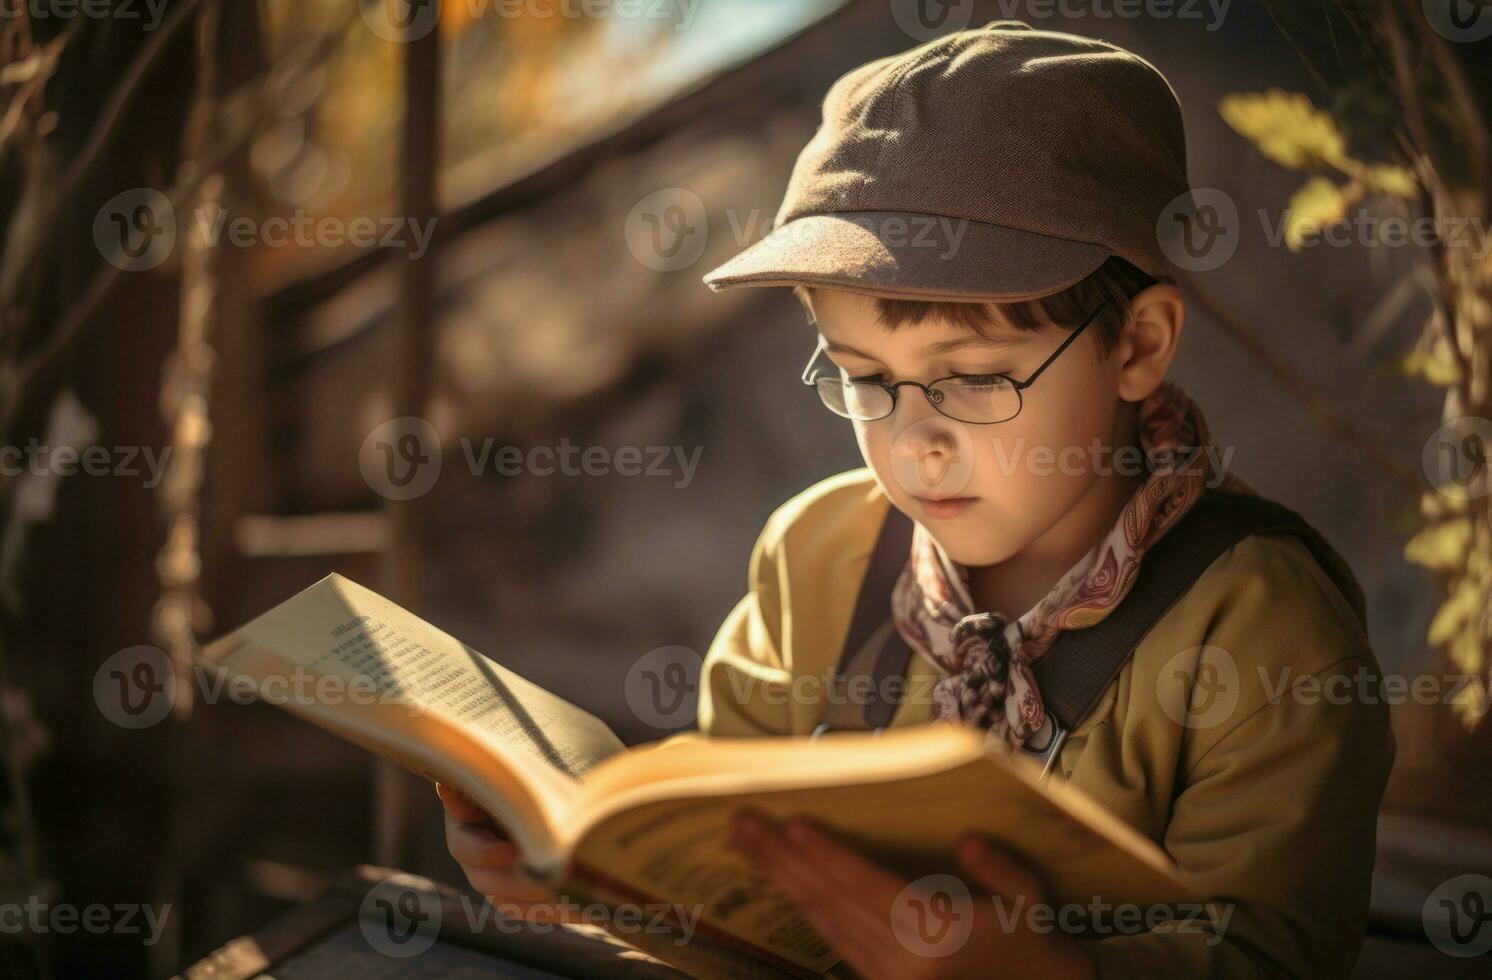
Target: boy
(973,231)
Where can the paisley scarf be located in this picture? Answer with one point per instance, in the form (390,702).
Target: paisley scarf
(987,660)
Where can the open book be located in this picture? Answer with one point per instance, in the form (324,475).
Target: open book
(650,824)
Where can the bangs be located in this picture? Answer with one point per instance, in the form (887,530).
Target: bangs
(1113,284)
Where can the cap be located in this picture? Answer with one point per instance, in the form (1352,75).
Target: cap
(1000,163)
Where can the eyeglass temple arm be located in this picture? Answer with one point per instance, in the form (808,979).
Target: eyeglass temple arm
(808,368)
(1021,385)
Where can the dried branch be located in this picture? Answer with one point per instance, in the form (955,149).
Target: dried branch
(243,114)
(20,269)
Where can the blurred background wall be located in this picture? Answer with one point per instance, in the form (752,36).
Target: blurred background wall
(587,172)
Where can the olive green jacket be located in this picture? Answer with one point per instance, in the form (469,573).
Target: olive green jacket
(1263,786)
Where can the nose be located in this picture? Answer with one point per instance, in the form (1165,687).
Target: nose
(920,433)
(930,453)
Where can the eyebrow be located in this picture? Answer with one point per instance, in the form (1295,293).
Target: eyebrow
(933,349)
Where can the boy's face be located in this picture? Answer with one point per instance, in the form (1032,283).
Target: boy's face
(985,492)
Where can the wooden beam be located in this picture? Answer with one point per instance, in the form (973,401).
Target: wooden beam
(411,372)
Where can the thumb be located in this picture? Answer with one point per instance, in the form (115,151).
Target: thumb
(999,871)
(459,804)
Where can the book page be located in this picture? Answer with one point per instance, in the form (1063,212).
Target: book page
(351,660)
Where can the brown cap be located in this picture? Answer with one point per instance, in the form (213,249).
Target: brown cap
(1000,163)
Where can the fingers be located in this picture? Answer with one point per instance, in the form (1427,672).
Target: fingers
(516,895)
(490,865)
(478,846)
(844,896)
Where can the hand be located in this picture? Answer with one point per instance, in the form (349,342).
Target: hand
(490,861)
(875,919)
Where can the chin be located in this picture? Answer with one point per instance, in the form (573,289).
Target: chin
(968,550)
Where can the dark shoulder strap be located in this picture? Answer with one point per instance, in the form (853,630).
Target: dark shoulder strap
(1080,664)
(882,662)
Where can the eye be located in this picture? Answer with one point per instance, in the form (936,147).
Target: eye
(981,380)
(870,379)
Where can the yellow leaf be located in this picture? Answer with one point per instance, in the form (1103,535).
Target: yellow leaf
(1316,205)
(1457,615)
(1438,371)
(1441,547)
(1385,178)
(1286,128)
(1471,706)
(1466,650)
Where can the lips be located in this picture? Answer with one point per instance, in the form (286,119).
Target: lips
(941,507)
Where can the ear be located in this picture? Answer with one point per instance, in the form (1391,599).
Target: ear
(1148,342)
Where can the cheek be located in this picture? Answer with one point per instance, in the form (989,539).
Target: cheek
(874,440)
(1050,452)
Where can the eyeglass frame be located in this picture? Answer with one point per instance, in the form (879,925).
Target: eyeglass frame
(1018,386)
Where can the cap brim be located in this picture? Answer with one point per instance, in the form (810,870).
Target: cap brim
(911,256)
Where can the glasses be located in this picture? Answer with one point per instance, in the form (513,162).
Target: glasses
(980,399)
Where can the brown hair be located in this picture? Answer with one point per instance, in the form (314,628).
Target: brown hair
(1114,284)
